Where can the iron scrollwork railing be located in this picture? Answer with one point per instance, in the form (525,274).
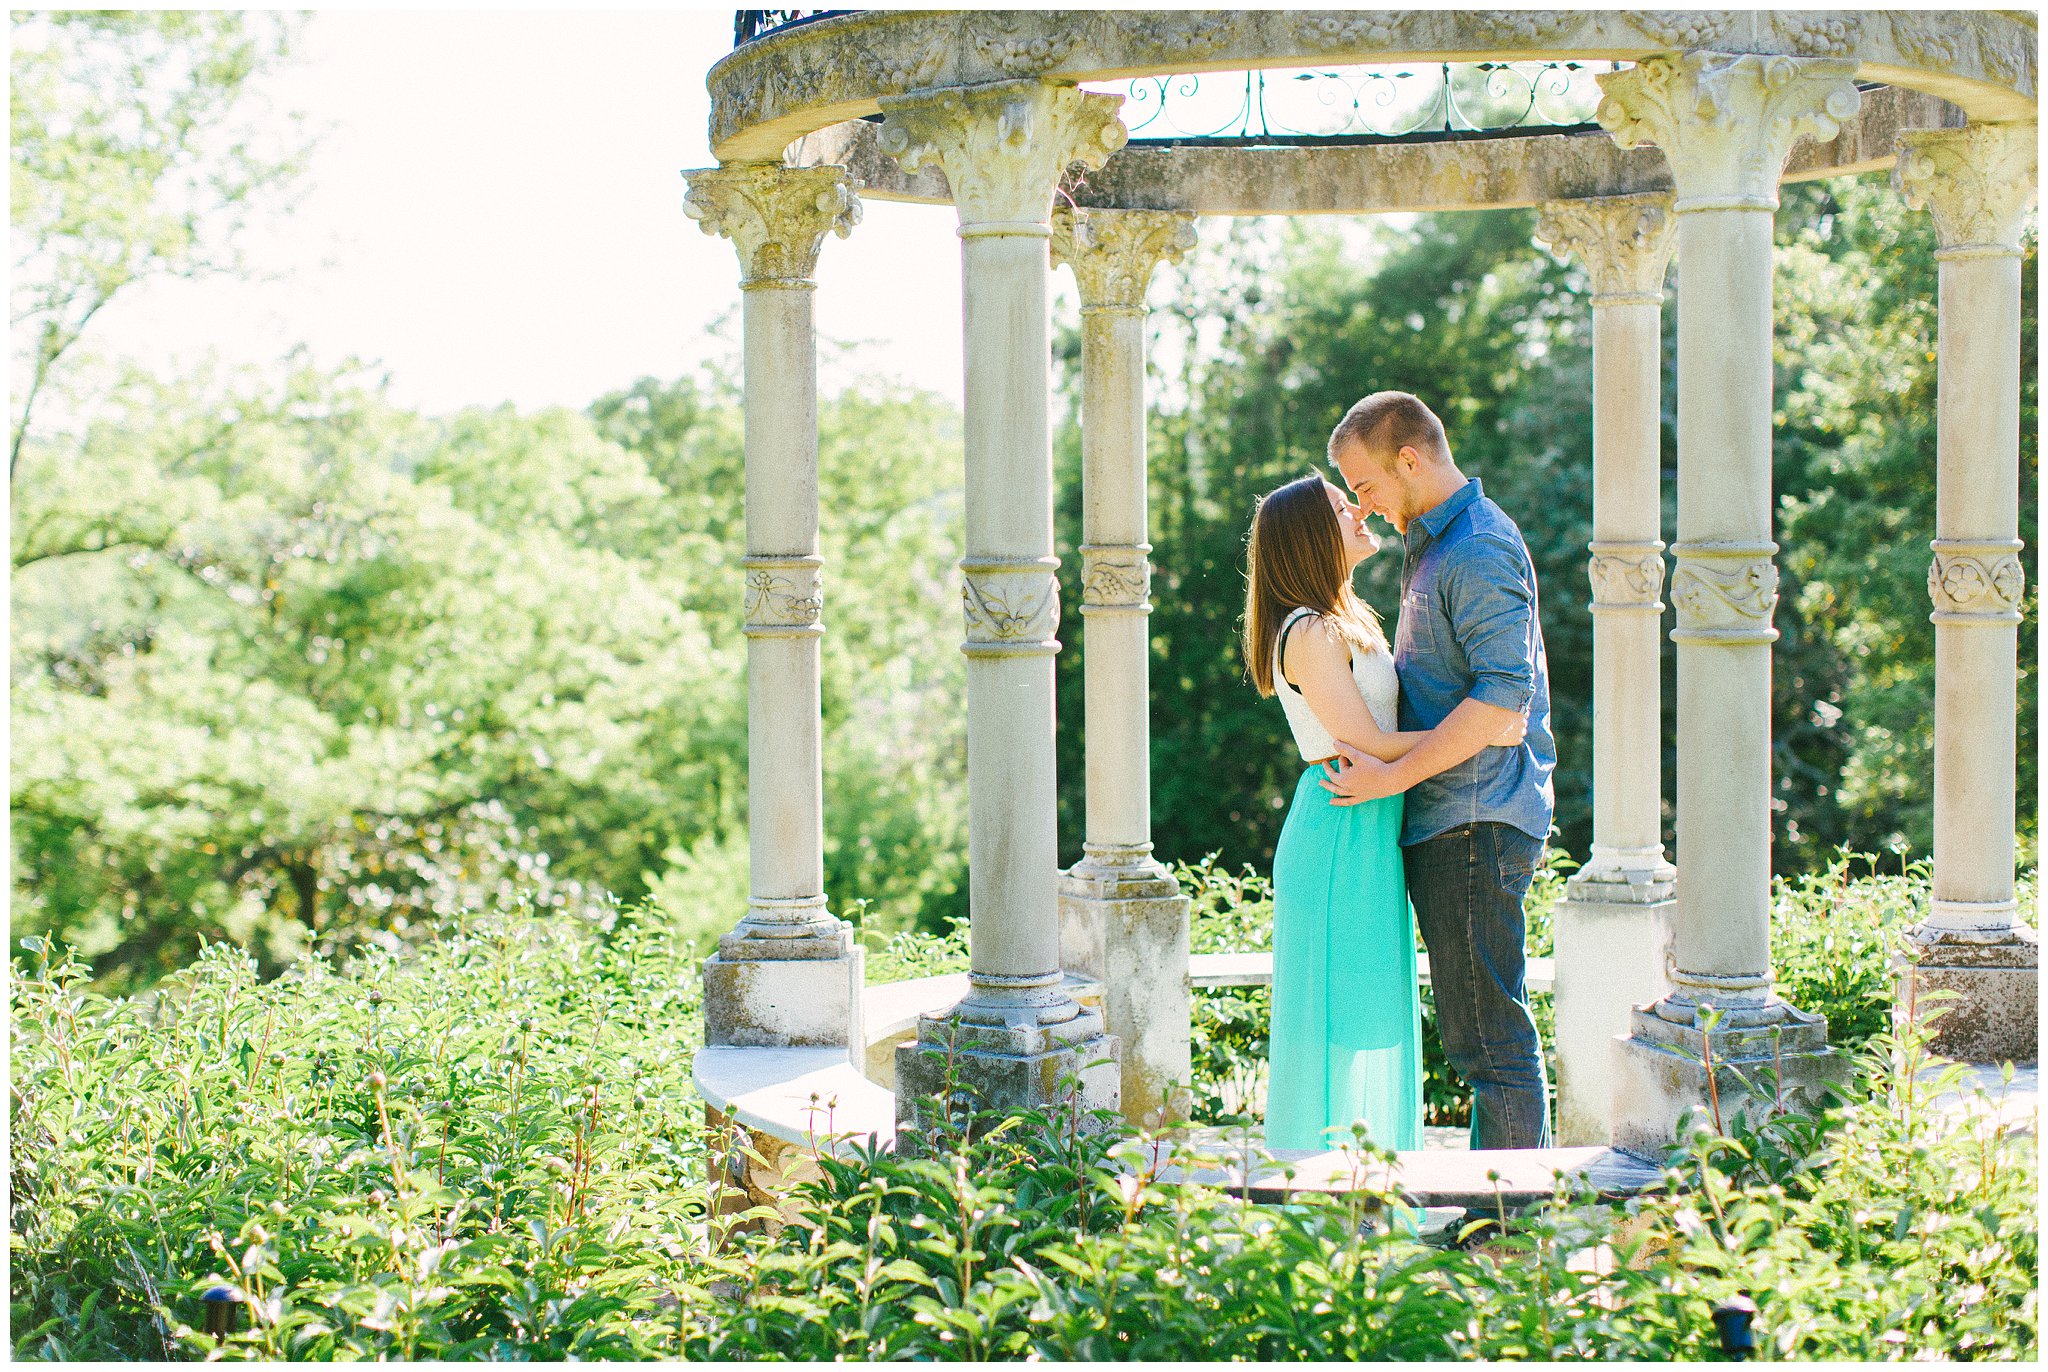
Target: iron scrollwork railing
(747,25)
(1438,101)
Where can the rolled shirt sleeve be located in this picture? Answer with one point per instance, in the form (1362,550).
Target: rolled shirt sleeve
(1490,601)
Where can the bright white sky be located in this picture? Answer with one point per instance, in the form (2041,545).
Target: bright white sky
(495,213)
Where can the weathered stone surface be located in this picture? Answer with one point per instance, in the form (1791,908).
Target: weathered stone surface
(1991,1010)
(954,1069)
(1400,176)
(1661,1085)
(1137,949)
(780,88)
(784,1003)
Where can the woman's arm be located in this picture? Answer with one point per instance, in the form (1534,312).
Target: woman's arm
(1317,660)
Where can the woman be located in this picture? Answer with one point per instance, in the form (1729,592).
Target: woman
(1346,1032)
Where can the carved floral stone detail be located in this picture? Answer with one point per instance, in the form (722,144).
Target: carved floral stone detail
(1626,576)
(784,593)
(1930,38)
(1624,240)
(1021,42)
(1826,33)
(1011,606)
(1725,122)
(906,69)
(1188,33)
(1726,593)
(1002,146)
(1977,581)
(1528,28)
(1682,29)
(1348,28)
(1115,577)
(1112,252)
(1977,182)
(776,216)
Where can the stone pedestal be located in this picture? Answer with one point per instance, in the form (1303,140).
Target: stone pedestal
(1726,124)
(1661,1087)
(1991,1012)
(1017,1035)
(1611,956)
(1978,183)
(1129,932)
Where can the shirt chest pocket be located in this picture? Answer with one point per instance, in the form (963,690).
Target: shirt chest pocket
(1416,633)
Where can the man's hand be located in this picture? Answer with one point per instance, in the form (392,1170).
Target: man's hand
(1354,777)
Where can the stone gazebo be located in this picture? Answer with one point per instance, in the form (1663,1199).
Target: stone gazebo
(1085,973)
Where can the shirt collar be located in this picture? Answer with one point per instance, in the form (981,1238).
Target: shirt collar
(1433,523)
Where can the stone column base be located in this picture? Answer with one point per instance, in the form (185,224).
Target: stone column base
(955,1068)
(1661,1077)
(784,993)
(1612,954)
(1128,932)
(1993,1015)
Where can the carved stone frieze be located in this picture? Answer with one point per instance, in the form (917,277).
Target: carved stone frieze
(1820,33)
(1019,42)
(1116,577)
(781,87)
(1978,182)
(1002,146)
(1682,30)
(1519,30)
(1626,576)
(1112,252)
(1624,240)
(776,216)
(784,595)
(1976,582)
(1727,122)
(1012,606)
(1725,592)
(1351,28)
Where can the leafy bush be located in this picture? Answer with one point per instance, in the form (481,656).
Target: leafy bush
(490,1148)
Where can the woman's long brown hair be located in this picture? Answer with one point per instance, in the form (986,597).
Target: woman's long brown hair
(1296,560)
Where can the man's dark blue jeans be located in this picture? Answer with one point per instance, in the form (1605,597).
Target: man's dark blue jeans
(1467,885)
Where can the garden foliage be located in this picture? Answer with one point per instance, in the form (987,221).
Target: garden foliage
(490,1148)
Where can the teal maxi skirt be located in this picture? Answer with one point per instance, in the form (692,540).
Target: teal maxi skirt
(1346,1041)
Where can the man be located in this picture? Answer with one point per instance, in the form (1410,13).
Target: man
(1469,652)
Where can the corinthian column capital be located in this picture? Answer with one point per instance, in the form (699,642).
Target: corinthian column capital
(1624,240)
(1112,252)
(776,216)
(1726,123)
(1977,182)
(1002,145)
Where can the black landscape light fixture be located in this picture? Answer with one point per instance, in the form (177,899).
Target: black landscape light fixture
(220,1311)
(1735,1321)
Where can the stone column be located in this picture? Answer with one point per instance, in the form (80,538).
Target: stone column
(790,973)
(1003,147)
(1978,182)
(1614,928)
(1726,124)
(1123,920)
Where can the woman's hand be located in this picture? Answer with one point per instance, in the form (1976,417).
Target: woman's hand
(1354,777)
(1512,734)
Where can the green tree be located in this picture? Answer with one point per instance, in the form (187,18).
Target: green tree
(140,148)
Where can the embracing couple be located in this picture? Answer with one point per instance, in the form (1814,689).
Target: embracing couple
(1428,782)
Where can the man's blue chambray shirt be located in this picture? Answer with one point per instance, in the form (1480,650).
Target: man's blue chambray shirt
(1469,627)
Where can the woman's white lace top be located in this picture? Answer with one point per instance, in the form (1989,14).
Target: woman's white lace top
(1372,670)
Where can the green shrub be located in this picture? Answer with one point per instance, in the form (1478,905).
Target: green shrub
(490,1148)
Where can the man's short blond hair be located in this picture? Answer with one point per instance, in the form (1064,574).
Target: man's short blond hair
(1386,422)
